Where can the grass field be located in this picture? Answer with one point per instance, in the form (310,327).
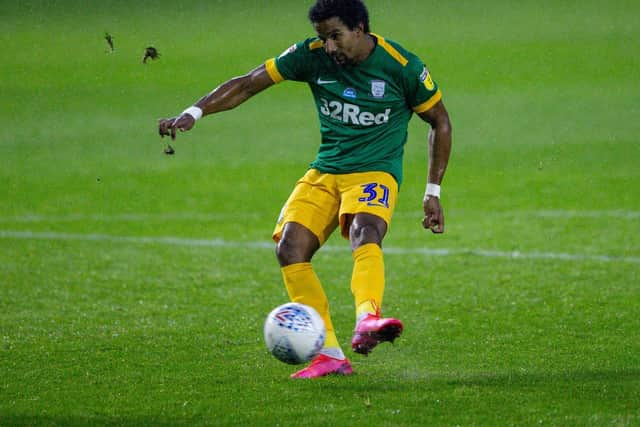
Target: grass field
(133,285)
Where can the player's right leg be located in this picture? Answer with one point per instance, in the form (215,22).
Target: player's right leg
(306,221)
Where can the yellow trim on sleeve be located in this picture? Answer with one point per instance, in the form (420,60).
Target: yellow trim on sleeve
(429,103)
(316,44)
(391,50)
(272,69)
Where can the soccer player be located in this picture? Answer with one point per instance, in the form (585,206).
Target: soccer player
(366,89)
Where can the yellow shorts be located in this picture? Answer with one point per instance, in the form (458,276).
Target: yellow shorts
(322,201)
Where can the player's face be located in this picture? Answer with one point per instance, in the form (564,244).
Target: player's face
(340,43)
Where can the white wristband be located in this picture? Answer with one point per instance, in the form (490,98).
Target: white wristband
(433,190)
(193,111)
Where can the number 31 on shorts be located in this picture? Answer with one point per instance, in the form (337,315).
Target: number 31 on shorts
(375,194)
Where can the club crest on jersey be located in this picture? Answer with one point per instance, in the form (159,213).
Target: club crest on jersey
(349,93)
(377,88)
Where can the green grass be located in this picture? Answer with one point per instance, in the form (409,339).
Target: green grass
(114,309)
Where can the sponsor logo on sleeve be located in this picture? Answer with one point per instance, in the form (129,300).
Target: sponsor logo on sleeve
(426,79)
(289,50)
(424,74)
(428,83)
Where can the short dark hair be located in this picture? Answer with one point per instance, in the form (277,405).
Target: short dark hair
(350,12)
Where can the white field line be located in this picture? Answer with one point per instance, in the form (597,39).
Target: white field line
(528,214)
(220,243)
(195,216)
(619,214)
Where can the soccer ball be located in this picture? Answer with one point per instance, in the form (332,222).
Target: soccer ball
(294,333)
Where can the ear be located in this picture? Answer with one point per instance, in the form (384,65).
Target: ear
(360,28)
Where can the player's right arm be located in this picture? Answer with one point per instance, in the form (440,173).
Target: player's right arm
(225,97)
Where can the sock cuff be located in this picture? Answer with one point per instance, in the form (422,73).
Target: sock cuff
(370,249)
(295,268)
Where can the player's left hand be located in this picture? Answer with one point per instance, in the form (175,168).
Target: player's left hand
(433,215)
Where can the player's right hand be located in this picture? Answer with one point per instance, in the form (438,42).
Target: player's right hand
(169,127)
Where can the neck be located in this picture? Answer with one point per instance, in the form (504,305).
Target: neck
(368,45)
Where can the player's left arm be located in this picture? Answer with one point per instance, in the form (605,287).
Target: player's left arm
(439,151)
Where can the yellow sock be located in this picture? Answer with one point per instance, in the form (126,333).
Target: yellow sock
(304,287)
(367,280)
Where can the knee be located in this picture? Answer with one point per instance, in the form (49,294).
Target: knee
(363,234)
(287,252)
(296,245)
(365,229)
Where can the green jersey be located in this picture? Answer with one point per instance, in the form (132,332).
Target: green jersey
(364,110)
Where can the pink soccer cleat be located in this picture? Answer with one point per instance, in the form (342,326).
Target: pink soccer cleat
(323,365)
(372,330)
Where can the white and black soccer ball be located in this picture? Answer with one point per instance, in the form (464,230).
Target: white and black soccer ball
(294,333)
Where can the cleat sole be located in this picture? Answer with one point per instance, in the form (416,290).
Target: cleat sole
(372,332)
(388,334)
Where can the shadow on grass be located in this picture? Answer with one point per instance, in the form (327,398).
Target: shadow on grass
(409,381)
(361,387)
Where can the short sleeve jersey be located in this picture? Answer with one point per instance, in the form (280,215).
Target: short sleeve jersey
(364,110)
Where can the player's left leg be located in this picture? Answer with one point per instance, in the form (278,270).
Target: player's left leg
(366,232)
(368,200)
(367,285)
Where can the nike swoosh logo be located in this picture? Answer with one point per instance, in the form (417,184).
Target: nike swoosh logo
(325,82)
